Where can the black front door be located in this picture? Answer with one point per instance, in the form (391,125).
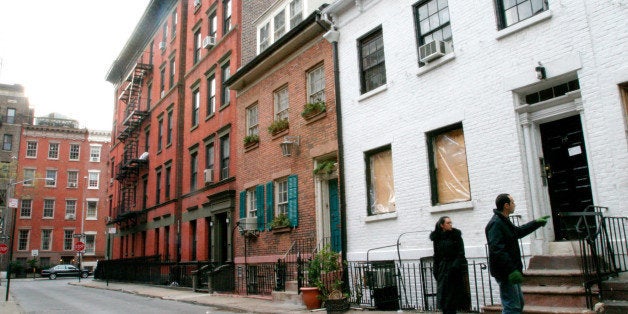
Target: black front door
(566,173)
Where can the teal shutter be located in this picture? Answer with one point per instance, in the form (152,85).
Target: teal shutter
(293,200)
(270,207)
(259,198)
(242,204)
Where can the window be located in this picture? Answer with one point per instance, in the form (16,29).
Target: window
(197,45)
(224,157)
(94,153)
(174,23)
(146,139)
(149,98)
(193,171)
(144,191)
(46,237)
(70,209)
(372,65)
(68,240)
(49,208)
(623,91)
(211,95)
(75,150)
(432,20)
(93,179)
(511,12)
(31,149)
(27,208)
(22,240)
(279,22)
(209,158)
(90,244)
(281,104)
(449,175)
(158,186)
(196,100)
(172,72)
(51,175)
(167,183)
(226,73)
(379,181)
(29,177)
(264,37)
(72,178)
(170,125)
(92,209)
(10,115)
(164,32)
(296,13)
(252,127)
(53,151)
(281,187)
(160,133)
(251,204)
(162,81)
(316,85)
(7,142)
(226,20)
(213,23)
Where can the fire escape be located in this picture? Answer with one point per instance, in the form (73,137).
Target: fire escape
(128,170)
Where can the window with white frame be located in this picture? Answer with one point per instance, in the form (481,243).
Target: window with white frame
(169,126)
(449,175)
(26,209)
(94,153)
(372,61)
(264,37)
(51,176)
(379,181)
(90,244)
(75,150)
(251,204)
(7,142)
(53,151)
(31,149)
(68,240)
(511,12)
(93,179)
(10,115)
(252,127)
(213,23)
(316,84)
(226,93)
(196,102)
(226,16)
(198,39)
(70,209)
(296,13)
(92,209)
(46,239)
(281,188)
(281,104)
(49,208)
(72,178)
(432,22)
(22,240)
(211,95)
(274,25)
(225,154)
(29,177)
(279,23)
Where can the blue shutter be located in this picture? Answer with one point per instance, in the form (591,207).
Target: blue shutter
(242,204)
(259,198)
(293,200)
(270,207)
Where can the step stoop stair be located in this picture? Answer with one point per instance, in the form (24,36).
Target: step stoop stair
(291,295)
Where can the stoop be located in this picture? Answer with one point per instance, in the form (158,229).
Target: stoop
(290,295)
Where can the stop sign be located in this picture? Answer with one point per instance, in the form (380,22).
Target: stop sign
(3,248)
(79,246)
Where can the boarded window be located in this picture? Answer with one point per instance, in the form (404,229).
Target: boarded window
(450,176)
(381,186)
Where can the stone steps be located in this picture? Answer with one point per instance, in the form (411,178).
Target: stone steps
(532,309)
(552,277)
(555,296)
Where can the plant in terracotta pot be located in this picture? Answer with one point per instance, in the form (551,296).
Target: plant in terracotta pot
(278,126)
(323,267)
(313,108)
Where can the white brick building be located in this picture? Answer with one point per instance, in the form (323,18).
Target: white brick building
(485,95)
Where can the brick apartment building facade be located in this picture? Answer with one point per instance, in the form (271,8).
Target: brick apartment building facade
(62,193)
(172,159)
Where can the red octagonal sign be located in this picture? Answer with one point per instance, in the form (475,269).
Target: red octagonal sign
(3,248)
(79,246)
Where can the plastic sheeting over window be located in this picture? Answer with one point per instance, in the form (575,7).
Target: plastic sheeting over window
(381,187)
(452,176)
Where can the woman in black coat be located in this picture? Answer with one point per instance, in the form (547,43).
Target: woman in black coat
(450,267)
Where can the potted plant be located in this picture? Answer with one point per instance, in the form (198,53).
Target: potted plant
(325,168)
(313,108)
(337,302)
(278,126)
(251,139)
(324,272)
(280,221)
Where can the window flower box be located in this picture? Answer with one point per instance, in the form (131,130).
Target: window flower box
(278,126)
(311,110)
(251,140)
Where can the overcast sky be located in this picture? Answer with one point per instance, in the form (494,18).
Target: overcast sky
(61,51)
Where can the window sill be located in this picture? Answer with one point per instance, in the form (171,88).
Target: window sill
(281,230)
(372,93)
(251,146)
(524,24)
(453,206)
(380,217)
(436,64)
(315,117)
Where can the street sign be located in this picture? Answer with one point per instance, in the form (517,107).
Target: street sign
(13,203)
(79,246)
(34,252)
(3,248)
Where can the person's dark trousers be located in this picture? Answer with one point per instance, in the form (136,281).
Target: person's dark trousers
(511,296)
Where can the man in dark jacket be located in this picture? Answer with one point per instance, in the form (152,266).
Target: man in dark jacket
(504,253)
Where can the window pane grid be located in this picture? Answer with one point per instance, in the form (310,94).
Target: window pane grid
(26,208)
(67,240)
(49,206)
(53,151)
(373,65)
(31,149)
(46,235)
(316,85)
(280,24)
(282,197)
(22,243)
(251,120)
(281,104)
(74,151)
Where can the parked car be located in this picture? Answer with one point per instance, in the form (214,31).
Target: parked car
(64,270)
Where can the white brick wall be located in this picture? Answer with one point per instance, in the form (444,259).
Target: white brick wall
(476,88)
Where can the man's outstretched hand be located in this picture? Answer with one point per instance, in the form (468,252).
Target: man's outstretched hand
(543,220)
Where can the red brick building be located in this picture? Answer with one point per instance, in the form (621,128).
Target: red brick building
(61,189)
(286,129)
(172,155)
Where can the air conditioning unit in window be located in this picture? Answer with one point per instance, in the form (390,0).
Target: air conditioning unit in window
(209,41)
(162,45)
(431,51)
(70,216)
(209,175)
(93,158)
(248,224)
(72,184)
